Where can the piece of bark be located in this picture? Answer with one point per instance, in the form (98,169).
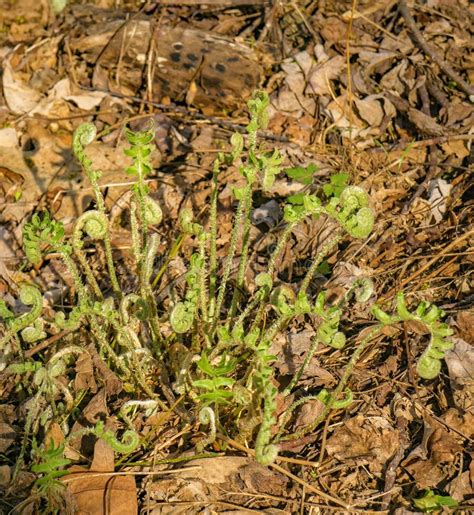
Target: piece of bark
(222,73)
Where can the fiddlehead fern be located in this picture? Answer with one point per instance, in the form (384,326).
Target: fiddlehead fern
(186,223)
(96,225)
(363,287)
(149,257)
(133,307)
(130,439)
(40,233)
(207,417)
(72,323)
(84,135)
(327,331)
(352,211)
(265,452)
(182,317)
(183,313)
(34,332)
(429,363)
(30,296)
(153,212)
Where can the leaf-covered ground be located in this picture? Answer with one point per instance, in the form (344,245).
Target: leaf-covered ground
(374,93)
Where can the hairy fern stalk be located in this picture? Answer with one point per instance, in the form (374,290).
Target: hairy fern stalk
(226,368)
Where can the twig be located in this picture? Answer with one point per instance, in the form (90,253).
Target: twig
(431,52)
(425,143)
(46,343)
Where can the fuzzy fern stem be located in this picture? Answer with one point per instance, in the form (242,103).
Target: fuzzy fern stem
(323,252)
(95,225)
(304,366)
(243,256)
(30,296)
(213,238)
(214,316)
(83,136)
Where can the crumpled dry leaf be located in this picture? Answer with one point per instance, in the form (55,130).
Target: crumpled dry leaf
(462,486)
(291,98)
(308,412)
(84,379)
(460,361)
(20,98)
(376,62)
(95,410)
(268,213)
(35,168)
(370,116)
(86,101)
(425,123)
(291,349)
(5,475)
(374,108)
(465,324)
(326,70)
(54,434)
(102,493)
(460,420)
(435,458)
(213,479)
(438,191)
(368,440)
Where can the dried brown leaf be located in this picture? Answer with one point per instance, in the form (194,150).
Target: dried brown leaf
(370,440)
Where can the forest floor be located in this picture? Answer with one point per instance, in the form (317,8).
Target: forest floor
(374,93)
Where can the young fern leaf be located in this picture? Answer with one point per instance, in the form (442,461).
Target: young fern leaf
(30,296)
(182,317)
(153,212)
(207,417)
(265,452)
(84,135)
(130,439)
(41,233)
(50,468)
(352,211)
(327,331)
(94,223)
(429,363)
(34,332)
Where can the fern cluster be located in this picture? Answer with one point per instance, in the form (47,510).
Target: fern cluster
(227,375)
